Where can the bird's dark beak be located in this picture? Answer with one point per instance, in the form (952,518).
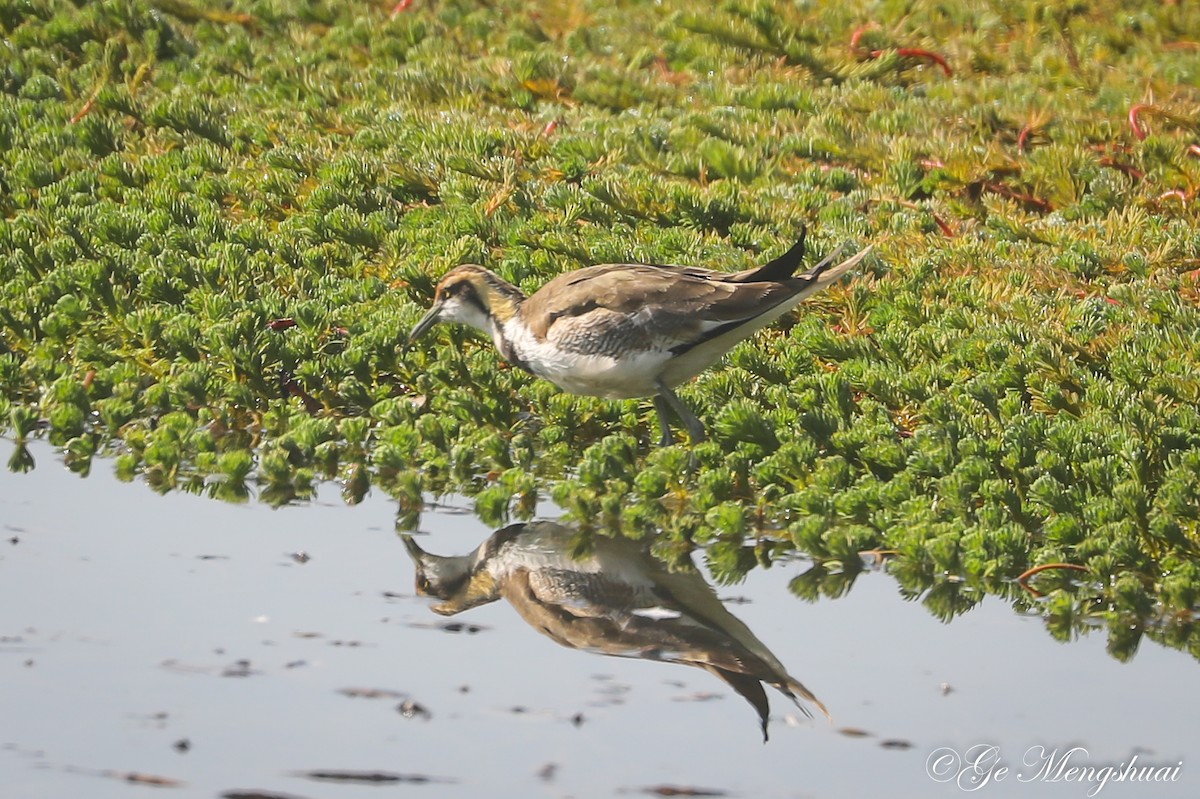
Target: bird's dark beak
(427,321)
(413,548)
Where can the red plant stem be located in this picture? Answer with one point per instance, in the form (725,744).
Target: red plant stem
(1134,122)
(1023,138)
(916,52)
(947,231)
(1030,572)
(856,37)
(1178,194)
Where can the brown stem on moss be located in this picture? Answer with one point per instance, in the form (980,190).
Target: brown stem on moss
(87,106)
(193,14)
(1129,170)
(1027,199)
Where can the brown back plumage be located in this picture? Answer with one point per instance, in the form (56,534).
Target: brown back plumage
(677,295)
(676,307)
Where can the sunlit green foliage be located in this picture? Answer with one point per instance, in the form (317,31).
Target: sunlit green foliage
(217,224)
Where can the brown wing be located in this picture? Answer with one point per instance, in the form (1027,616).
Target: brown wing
(637,300)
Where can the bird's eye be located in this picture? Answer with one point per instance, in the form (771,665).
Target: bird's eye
(464,291)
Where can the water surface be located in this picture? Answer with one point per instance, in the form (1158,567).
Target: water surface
(231,648)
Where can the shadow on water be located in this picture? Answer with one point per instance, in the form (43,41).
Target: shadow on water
(615,598)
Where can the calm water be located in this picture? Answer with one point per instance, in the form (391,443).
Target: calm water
(184,639)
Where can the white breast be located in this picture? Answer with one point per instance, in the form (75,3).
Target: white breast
(634,374)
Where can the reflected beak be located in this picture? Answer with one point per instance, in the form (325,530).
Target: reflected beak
(427,321)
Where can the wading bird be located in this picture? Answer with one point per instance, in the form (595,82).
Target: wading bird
(624,331)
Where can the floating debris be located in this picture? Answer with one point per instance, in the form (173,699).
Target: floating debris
(370,777)
(896,743)
(450,627)
(736,600)
(410,709)
(145,779)
(370,693)
(157,720)
(134,777)
(239,668)
(698,696)
(461,627)
(677,790)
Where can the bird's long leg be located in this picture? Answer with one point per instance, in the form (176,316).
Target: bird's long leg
(664,410)
(694,426)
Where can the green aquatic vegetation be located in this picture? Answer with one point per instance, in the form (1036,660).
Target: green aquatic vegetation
(218,224)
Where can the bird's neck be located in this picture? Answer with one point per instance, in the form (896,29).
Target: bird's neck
(504,302)
(503,299)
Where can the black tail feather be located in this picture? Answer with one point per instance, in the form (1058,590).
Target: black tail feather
(785,265)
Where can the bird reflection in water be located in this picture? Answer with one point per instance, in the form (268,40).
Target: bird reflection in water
(617,599)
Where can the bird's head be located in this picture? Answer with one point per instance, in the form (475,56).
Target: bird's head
(470,295)
(453,579)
